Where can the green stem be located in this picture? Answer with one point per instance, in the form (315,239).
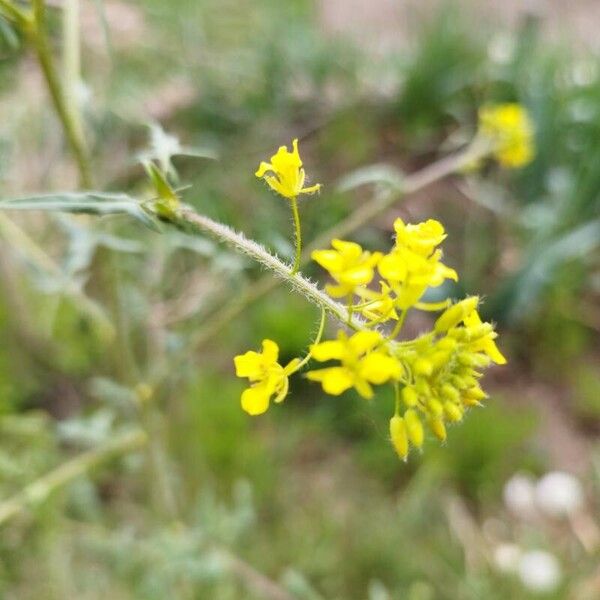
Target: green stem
(38,492)
(39,41)
(398,327)
(315,341)
(298,236)
(397,398)
(14,12)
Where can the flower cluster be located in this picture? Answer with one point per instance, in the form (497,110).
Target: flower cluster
(509,128)
(412,266)
(435,376)
(443,368)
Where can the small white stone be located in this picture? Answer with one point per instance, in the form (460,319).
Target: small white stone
(539,571)
(519,495)
(506,557)
(558,494)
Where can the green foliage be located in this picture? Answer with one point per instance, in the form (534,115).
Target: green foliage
(100,319)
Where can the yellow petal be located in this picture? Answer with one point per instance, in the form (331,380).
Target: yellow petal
(331,260)
(363,388)
(379,368)
(350,250)
(263,168)
(338,291)
(249,365)
(270,352)
(392,267)
(334,380)
(255,400)
(492,351)
(360,275)
(363,341)
(331,349)
(313,189)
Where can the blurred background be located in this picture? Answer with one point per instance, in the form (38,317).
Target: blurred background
(107,327)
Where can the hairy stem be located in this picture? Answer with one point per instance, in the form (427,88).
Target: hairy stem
(187,219)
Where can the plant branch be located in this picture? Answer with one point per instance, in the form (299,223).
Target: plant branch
(187,219)
(39,491)
(39,41)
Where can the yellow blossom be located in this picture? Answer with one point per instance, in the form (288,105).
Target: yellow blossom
(285,174)
(410,274)
(363,362)
(414,264)
(510,128)
(421,238)
(267,377)
(348,264)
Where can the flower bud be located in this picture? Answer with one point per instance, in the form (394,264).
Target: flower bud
(409,396)
(414,427)
(450,392)
(452,411)
(399,436)
(435,407)
(438,428)
(452,316)
(422,367)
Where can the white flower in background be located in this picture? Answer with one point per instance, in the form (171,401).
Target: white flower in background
(558,494)
(519,495)
(539,571)
(506,557)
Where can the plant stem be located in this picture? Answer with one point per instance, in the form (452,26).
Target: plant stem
(188,219)
(398,327)
(39,41)
(298,236)
(39,491)
(14,12)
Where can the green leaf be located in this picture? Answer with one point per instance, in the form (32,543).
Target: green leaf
(93,203)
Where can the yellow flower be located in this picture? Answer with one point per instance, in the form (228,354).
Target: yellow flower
(362,363)
(510,128)
(410,274)
(286,173)
(348,264)
(267,377)
(421,238)
(414,264)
